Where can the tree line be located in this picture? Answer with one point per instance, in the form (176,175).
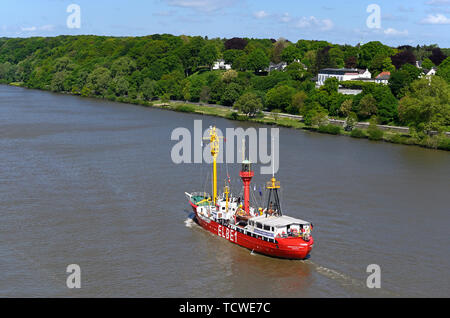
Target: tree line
(180,68)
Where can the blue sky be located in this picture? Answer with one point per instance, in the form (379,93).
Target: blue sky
(402,22)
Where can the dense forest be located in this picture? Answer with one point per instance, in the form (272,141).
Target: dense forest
(180,68)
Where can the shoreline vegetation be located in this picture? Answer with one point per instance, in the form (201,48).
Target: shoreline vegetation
(372,132)
(263,81)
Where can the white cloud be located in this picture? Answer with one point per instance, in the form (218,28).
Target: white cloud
(28,29)
(394,32)
(436,19)
(202,5)
(313,22)
(261,14)
(285,18)
(438,2)
(47,27)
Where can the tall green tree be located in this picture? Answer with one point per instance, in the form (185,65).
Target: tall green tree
(444,70)
(257,60)
(279,97)
(426,106)
(99,81)
(249,104)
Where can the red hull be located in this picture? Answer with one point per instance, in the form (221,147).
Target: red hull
(290,248)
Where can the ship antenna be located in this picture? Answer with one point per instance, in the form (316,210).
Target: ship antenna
(243,149)
(273,155)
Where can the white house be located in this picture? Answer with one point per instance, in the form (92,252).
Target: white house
(221,65)
(429,73)
(276,67)
(343,74)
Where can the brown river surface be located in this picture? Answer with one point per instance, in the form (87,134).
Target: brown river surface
(91,182)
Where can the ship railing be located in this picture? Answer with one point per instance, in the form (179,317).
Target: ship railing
(201,194)
(270,185)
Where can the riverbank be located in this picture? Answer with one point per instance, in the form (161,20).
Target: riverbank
(396,135)
(440,142)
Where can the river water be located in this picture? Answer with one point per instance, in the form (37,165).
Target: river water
(91,182)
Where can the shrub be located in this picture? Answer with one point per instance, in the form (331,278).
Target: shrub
(330,129)
(358,133)
(184,109)
(444,143)
(236,116)
(375,134)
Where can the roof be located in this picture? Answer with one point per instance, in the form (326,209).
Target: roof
(338,71)
(384,76)
(278,221)
(362,79)
(342,71)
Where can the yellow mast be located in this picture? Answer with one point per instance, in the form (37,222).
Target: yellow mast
(214,144)
(226,190)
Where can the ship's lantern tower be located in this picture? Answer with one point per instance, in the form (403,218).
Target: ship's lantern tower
(273,207)
(246,175)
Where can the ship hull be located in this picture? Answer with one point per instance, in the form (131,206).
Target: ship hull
(288,248)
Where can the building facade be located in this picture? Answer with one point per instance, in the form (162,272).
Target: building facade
(342,74)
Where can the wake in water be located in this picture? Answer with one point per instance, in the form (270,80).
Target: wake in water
(335,275)
(189,222)
(346,280)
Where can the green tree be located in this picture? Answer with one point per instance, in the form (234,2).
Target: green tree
(208,54)
(444,70)
(148,89)
(331,85)
(277,50)
(316,117)
(337,57)
(290,54)
(381,63)
(387,104)
(123,66)
(310,60)
(230,56)
(99,81)
(231,94)
(120,85)
(426,106)
(367,107)
(373,132)
(229,76)
(279,97)
(351,121)
(58,80)
(296,71)
(401,79)
(427,64)
(346,107)
(298,103)
(249,104)
(372,49)
(257,60)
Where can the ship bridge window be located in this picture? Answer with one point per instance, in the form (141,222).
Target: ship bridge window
(259,225)
(266,227)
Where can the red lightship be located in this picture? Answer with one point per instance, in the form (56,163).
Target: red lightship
(263,230)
